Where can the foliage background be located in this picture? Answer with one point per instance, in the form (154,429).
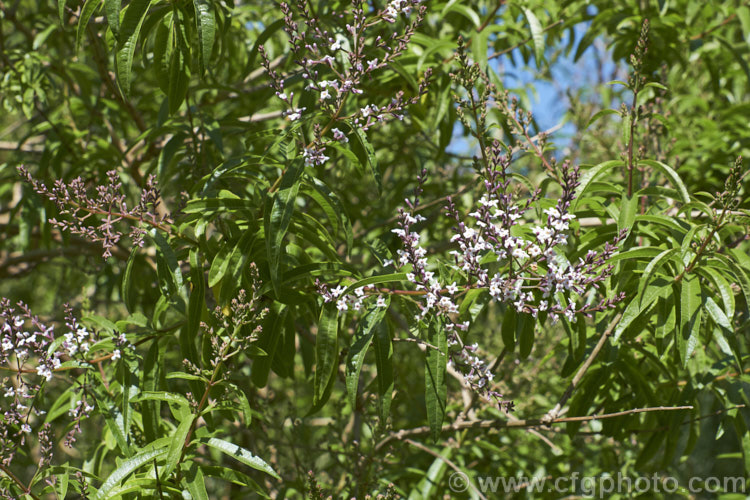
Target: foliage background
(202,117)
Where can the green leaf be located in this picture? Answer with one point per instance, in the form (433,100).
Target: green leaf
(326,349)
(88,10)
(278,212)
(525,325)
(357,352)
(196,307)
(61,13)
(720,319)
(508,328)
(375,280)
(194,481)
(206,26)
(690,316)
(179,76)
(127,467)
(240,454)
(674,179)
(132,20)
(436,386)
(628,210)
(537,35)
(167,397)
(468,13)
(168,268)
(334,209)
(384,362)
(112,12)
(654,266)
(601,113)
(175,447)
(371,159)
(268,341)
(636,253)
(219,265)
(639,304)
(591,174)
(152,373)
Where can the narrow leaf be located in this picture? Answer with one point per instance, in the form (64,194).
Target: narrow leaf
(436,387)
(240,454)
(326,349)
(206,25)
(358,350)
(537,35)
(126,468)
(130,29)
(690,316)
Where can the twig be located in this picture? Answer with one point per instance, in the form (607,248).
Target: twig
(554,412)
(20,484)
(524,42)
(518,424)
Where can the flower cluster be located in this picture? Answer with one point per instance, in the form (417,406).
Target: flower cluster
(534,277)
(335,65)
(346,301)
(519,263)
(31,350)
(108,207)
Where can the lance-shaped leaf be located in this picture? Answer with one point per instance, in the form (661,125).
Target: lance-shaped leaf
(206,25)
(384,362)
(436,386)
(326,350)
(277,216)
(130,29)
(241,454)
(358,350)
(127,467)
(690,316)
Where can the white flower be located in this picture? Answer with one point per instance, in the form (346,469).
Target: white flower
(339,135)
(336,45)
(44,371)
(381,301)
(115,355)
(452,288)
(295,114)
(341,305)
(26,428)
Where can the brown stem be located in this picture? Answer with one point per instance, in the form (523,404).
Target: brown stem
(14,478)
(518,424)
(554,412)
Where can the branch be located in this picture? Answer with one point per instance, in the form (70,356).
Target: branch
(555,412)
(518,424)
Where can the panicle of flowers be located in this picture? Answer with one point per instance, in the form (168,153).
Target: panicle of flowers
(97,217)
(31,350)
(439,301)
(335,64)
(354,301)
(243,310)
(534,276)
